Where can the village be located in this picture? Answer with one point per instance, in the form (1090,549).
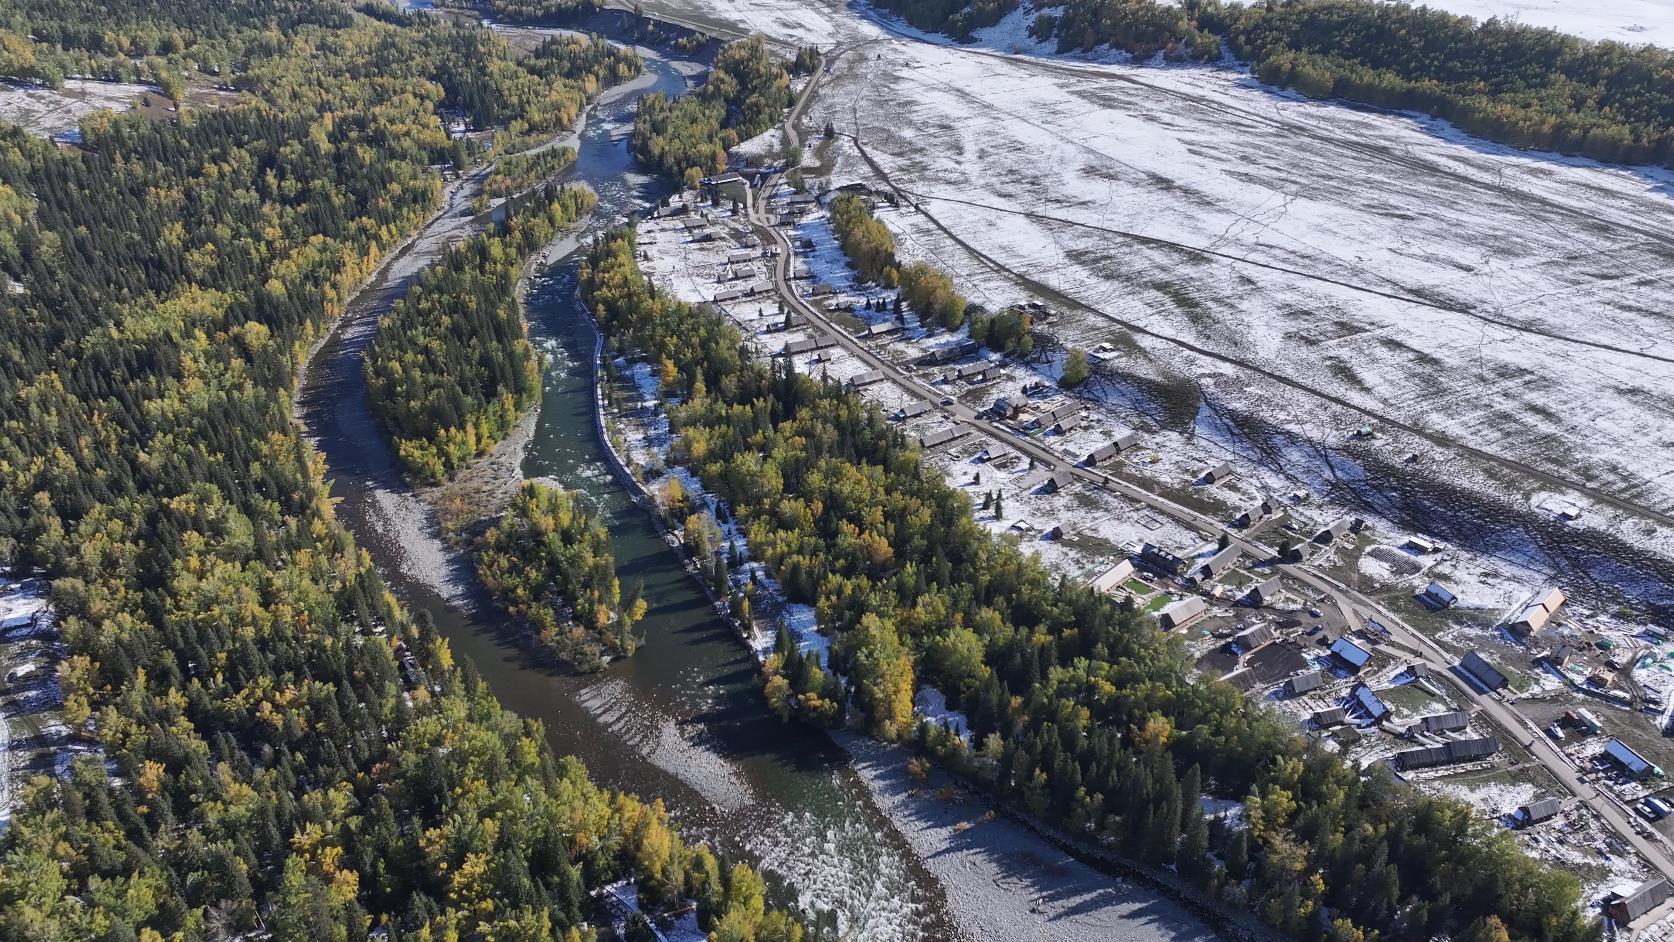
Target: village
(1212,548)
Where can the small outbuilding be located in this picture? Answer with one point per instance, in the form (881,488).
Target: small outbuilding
(1304,683)
(1181,613)
(1643,899)
(1437,596)
(1484,673)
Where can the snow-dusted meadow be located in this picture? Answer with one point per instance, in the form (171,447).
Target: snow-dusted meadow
(57,113)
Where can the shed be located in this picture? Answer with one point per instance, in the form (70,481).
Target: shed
(1537,811)
(1644,898)
(1332,717)
(1443,722)
(1217,565)
(1243,678)
(1351,655)
(1067,424)
(1263,593)
(1217,474)
(1114,577)
(1437,596)
(1305,683)
(1483,672)
(1367,699)
(1460,750)
(865,379)
(913,409)
(1628,760)
(1181,613)
(1330,533)
(942,437)
(1422,544)
(1161,559)
(1251,638)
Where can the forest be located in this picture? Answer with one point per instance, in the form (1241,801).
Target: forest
(516,173)
(688,138)
(1083,713)
(549,563)
(1519,85)
(526,11)
(450,369)
(275,745)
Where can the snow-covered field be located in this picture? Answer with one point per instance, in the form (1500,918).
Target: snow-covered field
(1499,314)
(52,112)
(1634,22)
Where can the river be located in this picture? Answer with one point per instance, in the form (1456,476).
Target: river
(681,720)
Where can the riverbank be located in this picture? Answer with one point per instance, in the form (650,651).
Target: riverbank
(1003,877)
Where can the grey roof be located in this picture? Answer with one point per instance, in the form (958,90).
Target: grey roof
(1222,561)
(1460,750)
(1541,810)
(1445,722)
(1330,717)
(1305,683)
(1243,678)
(866,379)
(808,345)
(1330,533)
(915,408)
(1103,453)
(1218,472)
(1251,638)
(1126,440)
(1265,591)
(1067,424)
(1643,899)
(1485,673)
(1068,408)
(1181,612)
(942,436)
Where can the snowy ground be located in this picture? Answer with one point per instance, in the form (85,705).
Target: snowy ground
(49,112)
(1256,259)
(33,737)
(1634,22)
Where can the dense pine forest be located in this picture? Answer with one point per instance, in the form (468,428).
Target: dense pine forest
(1520,85)
(688,138)
(450,369)
(1084,714)
(549,562)
(277,747)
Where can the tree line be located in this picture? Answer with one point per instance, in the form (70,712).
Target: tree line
(549,562)
(1082,712)
(274,745)
(871,248)
(518,172)
(688,138)
(450,369)
(1520,85)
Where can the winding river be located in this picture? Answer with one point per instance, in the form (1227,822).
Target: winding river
(682,719)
